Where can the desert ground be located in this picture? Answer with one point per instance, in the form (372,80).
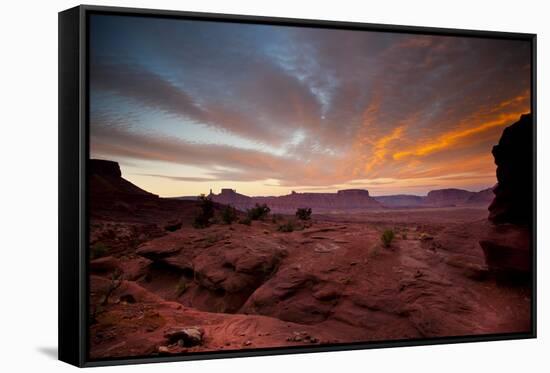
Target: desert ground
(160,286)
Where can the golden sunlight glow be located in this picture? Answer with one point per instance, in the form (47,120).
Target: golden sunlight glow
(380,147)
(452,138)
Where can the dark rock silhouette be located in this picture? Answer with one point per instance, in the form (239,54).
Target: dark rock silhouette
(507,247)
(514,159)
(106,181)
(105,168)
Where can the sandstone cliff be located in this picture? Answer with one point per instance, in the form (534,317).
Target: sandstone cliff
(508,245)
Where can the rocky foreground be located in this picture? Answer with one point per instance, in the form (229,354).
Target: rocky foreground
(239,286)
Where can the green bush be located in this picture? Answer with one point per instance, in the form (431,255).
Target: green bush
(202,220)
(258,212)
(229,214)
(246,221)
(303,213)
(286,227)
(98,250)
(211,239)
(387,237)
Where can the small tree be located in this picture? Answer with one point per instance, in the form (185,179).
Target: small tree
(303,213)
(229,214)
(387,237)
(202,220)
(258,212)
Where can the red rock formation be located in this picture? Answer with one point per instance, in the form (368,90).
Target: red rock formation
(447,197)
(483,197)
(439,198)
(513,201)
(343,200)
(106,182)
(231,197)
(401,200)
(507,247)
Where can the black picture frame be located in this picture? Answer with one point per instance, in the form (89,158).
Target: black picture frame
(73,192)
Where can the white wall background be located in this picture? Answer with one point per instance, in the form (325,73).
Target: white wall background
(28,208)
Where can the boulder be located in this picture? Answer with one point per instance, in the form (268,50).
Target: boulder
(106,264)
(188,336)
(507,248)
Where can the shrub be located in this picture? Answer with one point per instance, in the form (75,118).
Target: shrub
(303,213)
(116,281)
(98,250)
(387,237)
(229,214)
(287,227)
(202,220)
(173,227)
(212,239)
(258,211)
(245,221)
(275,218)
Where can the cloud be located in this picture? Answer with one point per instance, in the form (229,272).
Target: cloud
(453,138)
(181,178)
(330,106)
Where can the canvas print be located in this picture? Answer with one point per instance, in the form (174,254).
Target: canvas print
(257,186)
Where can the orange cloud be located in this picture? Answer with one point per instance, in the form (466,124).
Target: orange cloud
(380,148)
(452,138)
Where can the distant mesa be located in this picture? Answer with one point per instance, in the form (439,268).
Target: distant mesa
(439,198)
(349,199)
(447,196)
(352,200)
(104,168)
(401,200)
(484,197)
(355,200)
(106,182)
(458,197)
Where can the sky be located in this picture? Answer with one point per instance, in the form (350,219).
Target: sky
(187,106)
